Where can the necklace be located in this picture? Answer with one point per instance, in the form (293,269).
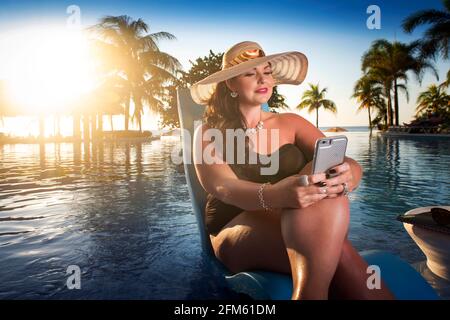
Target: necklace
(259,126)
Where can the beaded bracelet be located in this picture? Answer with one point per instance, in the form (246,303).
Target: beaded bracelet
(261,198)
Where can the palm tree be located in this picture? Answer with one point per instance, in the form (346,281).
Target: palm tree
(134,55)
(436,38)
(313,99)
(434,99)
(446,83)
(381,78)
(277,101)
(369,94)
(391,61)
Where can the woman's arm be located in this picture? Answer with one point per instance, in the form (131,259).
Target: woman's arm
(218,179)
(306,135)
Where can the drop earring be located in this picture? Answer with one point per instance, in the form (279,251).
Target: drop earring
(233,94)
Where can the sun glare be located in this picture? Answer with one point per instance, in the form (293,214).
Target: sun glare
(49,68)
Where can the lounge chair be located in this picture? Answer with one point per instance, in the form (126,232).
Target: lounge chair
(403,280)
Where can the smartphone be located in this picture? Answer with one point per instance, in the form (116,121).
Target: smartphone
(329,152)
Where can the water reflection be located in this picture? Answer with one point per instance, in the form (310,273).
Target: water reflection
(399,175)
(121,211)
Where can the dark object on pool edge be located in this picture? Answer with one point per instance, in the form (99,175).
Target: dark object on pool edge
(441,216)
(437,219)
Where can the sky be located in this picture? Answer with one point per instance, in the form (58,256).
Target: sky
(332,34)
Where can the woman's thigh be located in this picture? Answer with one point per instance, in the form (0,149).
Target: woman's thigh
(252,240)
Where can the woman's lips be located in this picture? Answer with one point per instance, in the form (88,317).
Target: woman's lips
(262,90)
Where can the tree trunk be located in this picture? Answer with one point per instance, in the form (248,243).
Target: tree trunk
(100,125)
(41,128)
(111,122)
(140,122)
(389,110)
(317,118)
(76,132)
(86,131)
(127,113)
(370,118)
(396,102)
(93,122)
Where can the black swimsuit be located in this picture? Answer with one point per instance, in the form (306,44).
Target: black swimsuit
(218,213)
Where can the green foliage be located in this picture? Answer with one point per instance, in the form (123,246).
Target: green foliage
(314,98)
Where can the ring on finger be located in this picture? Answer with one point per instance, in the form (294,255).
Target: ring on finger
(304,180)
(345,192)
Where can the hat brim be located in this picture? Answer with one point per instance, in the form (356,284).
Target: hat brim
(287,68)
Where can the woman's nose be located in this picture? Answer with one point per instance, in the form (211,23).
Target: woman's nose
(262,78)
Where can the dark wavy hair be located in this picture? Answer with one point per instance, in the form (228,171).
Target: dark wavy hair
(222,112)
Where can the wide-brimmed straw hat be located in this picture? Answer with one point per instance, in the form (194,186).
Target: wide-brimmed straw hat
(287,68)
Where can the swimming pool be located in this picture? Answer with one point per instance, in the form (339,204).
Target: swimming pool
(121,212)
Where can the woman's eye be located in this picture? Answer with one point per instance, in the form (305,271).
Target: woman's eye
(252,74)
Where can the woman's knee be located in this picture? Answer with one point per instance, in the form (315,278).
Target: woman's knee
(339,205)
(324,222)
(252,240)
(325,210)
(227,246)
(337,210)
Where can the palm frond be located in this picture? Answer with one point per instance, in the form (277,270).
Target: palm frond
(423,17)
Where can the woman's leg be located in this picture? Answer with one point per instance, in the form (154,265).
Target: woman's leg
(314,237)
(350,278)
(253,240)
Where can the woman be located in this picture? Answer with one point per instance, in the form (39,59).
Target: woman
(290,221)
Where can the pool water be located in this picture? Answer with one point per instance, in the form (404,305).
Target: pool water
(122,213)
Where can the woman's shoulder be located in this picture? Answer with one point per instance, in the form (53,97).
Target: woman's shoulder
(291,121)
(299,123)
(289,117)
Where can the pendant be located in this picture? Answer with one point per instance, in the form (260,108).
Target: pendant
(259,126)
(250,131)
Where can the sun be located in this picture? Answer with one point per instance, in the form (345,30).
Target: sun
(49,68)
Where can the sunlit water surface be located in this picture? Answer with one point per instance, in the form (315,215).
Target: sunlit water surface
(121,212)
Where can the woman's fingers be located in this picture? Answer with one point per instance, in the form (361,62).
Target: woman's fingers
(315,178)
(340,179)
(333,195)
(313,189)
(343,174)
(313,198)
(306,180)
(345,166)
(335,189)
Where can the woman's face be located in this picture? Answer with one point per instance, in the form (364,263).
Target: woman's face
(254,87)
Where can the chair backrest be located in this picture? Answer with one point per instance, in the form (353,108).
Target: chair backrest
(189,112)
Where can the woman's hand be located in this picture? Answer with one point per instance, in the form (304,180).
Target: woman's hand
(335,184)
(291,193)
